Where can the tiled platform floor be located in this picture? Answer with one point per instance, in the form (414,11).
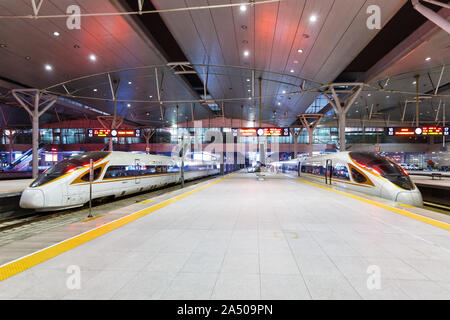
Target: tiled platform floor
(247,239)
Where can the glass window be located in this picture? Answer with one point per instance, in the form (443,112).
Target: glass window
(357,176)
(384,167)
(68,165)
(97,172)
(340,172)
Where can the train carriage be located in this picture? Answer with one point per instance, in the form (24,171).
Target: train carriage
(365,172)
(66,184)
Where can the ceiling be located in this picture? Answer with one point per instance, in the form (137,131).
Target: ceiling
(271,33)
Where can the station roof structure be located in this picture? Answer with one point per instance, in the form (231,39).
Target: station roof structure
(207,57)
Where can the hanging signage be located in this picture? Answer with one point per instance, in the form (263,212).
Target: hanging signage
(273,132)
(105,133)
(263,132)
(418,131)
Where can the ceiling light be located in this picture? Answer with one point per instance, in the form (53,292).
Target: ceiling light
(284,91)
(414,83)
(387,97)
(246,53)
(300,51)
(150,97)
(129,82)
(249,90)
(243,8)
(313,18)
(295,61)
(279,103)
(292,70)
(369,94)
(248,79)
(95,90)
(92,57)
(56,34)
(428,59)
(48,67)
(128,105)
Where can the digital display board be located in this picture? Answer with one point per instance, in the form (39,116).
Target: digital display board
(261,132)
(417,131)
(104,133)
(273,132)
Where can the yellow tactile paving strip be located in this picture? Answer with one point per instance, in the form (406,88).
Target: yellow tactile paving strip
(418,217)
(19,265)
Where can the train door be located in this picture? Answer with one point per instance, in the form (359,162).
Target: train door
(328,171)
(137,168)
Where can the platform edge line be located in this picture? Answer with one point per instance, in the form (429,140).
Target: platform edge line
(415,216)
(21,264)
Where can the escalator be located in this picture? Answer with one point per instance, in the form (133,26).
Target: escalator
(23,162)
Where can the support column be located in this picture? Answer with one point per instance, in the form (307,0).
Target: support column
(341,108)
(306,119)
(32,107)
(148,133)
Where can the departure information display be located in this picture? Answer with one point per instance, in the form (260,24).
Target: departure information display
(105,133)
(262,132)
(417,131)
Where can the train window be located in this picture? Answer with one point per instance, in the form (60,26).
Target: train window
(386,168)
(340,172)
(67,165)
(357,176)
(97,172)
(115,172)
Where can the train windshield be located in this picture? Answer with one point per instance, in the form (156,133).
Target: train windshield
(386,168)
(67,166)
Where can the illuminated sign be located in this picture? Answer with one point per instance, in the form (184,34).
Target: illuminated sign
(418,131)
(247,132)
(263,132)
(432,131)
(104,133)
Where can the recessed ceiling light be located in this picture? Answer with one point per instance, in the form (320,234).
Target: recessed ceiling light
(128,105)
(243,8)
(148,113)
(387,96)
(56,34)
(428,59)
(414,83)
(249,90)
(292,70)
(129,82)
(95,90)
(48,67)
(150,97)
(279,103)
(369,94)
(284,91)
(295,61)
(246,53)
(27,58)
(313,18)
(300,51)
(248,79)
(92,57)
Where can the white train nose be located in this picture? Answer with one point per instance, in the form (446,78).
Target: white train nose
(32,199)
(412,198)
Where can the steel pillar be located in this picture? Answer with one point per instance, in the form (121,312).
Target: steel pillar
(35,108)
(341,108)
(306,119)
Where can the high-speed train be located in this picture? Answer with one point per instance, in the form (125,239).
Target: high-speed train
(115,174)
(365,172)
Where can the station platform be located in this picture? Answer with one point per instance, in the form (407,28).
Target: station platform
(236,237)
(13,187)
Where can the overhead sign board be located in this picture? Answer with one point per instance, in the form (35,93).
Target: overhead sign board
(417,131)
(105,133)
(262,132)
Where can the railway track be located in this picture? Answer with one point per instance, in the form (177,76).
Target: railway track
(47,220)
